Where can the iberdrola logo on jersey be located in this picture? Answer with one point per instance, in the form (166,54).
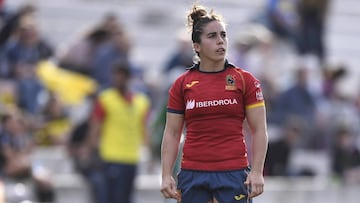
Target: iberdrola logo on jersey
(191,104)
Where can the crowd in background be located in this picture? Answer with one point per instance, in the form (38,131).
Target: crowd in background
(310,113)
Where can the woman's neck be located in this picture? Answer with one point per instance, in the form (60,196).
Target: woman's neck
(210,66)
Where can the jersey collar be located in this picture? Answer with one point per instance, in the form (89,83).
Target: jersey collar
(196,66)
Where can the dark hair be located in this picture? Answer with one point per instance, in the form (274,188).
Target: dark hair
(99,35)
(122,67)
(197,18)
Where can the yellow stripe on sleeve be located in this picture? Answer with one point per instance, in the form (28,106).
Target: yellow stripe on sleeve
(255,105)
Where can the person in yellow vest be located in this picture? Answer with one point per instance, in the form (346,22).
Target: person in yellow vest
(118,128)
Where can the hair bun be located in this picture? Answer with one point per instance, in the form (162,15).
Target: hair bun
(197,18)
(197,12)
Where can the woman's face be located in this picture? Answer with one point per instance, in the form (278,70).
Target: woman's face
(213,43)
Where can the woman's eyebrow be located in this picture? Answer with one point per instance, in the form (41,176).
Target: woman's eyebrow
(211,33)
(221,32)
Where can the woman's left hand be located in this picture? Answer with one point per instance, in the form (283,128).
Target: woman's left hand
(255,184)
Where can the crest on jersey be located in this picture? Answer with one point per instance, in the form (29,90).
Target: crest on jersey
(230,83)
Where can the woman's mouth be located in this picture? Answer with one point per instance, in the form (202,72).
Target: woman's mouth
(221,51)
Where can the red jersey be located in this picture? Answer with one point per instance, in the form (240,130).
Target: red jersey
(213,104)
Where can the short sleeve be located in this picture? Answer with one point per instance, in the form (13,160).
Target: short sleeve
(253,93)
(99,111)
(176,103)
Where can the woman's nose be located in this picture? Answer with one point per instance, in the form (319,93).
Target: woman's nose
(220,40)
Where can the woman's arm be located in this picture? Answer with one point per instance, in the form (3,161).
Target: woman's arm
(256,118)
(169,151)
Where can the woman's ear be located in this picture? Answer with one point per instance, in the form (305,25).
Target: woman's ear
(196,47)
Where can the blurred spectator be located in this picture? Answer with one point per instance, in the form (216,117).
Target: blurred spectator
(13,20)
(9,25)
(243,45)
(312,20)
(183,55)
(117,49)
(346,156)
(338,110)
(16,144)
(23,54)
(87,163)
(252,49)
(15,147)
(282,20)
(296,101)
(28,48)
(78,56)
(56,125)
(119,125)
(279,151)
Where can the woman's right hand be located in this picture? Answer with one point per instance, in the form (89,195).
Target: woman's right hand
(168,188)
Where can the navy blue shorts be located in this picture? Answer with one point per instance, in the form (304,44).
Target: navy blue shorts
(203,186)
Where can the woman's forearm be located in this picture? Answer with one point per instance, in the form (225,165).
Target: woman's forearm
(169,152)
(259,148)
